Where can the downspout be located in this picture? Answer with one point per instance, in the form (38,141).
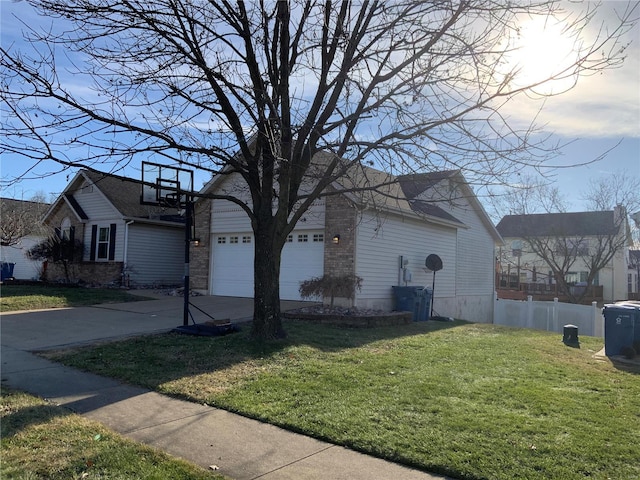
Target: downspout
(125,280)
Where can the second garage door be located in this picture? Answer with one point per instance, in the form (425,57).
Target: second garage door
(232,272)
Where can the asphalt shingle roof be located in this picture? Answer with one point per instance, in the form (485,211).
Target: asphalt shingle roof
(125,197)
(574,224)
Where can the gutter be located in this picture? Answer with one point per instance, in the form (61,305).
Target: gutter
(125,262)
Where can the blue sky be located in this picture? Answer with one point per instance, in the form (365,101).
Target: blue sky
(600,112)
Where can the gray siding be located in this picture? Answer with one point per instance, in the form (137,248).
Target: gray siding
(155,255)
(381,241)
(94,203)
(476,253)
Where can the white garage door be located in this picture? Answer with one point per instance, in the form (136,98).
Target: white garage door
(302,258)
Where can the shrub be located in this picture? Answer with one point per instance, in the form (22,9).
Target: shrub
(330,286)
(58,250)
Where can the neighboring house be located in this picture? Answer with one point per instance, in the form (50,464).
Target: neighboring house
(21,230)
(573,239)
(365,234)
(125,243)
(633,276)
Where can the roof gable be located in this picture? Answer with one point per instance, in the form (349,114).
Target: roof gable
(122,194)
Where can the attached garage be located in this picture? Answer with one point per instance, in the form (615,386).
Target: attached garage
(232,263)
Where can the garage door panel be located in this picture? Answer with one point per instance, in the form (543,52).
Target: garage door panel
(302,258)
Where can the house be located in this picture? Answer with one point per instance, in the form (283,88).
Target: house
(366,234)
(125,243)
(633,276)
(21,230)
(574,240)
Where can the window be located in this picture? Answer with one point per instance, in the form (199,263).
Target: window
(222,239)
(581,246)
(303,238)
(65,229)
(318,237)
(103,243)
(572,247)
(290,238)
(233,239)
(246,239)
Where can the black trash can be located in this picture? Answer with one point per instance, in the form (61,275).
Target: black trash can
(619,326)
(408,299)
(7,271)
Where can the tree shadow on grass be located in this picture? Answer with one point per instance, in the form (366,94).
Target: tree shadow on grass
(17,417)
(153,360)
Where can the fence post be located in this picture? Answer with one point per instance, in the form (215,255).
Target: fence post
(529,311)
(556,307)
(598,321)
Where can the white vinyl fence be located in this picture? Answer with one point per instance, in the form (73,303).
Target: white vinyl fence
(551,316)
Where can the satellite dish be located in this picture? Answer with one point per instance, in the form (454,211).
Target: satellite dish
(433,262)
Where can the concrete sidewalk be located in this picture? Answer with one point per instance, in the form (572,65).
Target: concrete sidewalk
(241,448)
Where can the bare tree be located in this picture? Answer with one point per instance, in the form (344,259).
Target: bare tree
(259,89)
(19,218)
(608,191)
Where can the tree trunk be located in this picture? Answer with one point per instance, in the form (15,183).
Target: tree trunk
(267,324)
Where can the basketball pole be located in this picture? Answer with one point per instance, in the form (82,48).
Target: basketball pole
(188,213)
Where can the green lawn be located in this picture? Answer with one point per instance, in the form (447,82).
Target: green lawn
(40,440)
(467,400)
(34,297)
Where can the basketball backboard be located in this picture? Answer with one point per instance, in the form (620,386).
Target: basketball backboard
(164,185)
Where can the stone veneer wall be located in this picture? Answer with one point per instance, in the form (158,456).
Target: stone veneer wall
(340,219)
(199,257)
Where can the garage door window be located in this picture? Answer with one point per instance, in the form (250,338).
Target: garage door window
(222,239)
(318,237)
(303,238)
(246,239)
(233,239)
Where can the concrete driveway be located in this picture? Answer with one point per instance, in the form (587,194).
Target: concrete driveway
(60,327)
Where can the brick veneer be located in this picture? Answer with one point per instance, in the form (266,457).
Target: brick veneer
(199,257)
(92,273)
(340,219)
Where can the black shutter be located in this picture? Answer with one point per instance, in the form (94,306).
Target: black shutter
(58,233)
(72,238)
(94,237)
(112,241)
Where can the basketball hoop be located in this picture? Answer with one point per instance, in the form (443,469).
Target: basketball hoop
(165,186)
